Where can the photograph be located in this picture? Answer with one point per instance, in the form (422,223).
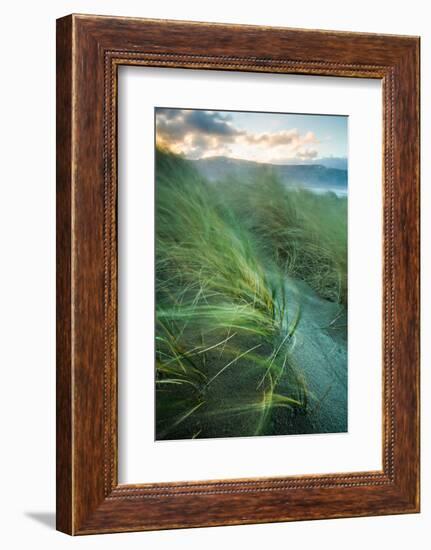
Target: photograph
(251,282)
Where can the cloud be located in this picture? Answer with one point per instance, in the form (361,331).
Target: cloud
(210,123)
(198,145)
(283,138)
(176,123)
(197,134)
(286,137)
(307,154)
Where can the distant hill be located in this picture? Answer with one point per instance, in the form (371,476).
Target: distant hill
(314,176)
(329,162)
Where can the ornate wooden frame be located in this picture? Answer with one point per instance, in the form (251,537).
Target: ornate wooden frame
(89,51)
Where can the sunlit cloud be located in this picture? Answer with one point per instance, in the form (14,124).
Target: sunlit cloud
(291,138)
(308,154)
(201,134)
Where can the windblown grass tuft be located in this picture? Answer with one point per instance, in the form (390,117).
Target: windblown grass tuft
(225,324)
(305,233)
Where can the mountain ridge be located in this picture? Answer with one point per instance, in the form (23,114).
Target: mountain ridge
(306,175)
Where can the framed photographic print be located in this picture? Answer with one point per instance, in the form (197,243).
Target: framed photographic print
(237,274)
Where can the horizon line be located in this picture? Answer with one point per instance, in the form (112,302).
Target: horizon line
(276,163)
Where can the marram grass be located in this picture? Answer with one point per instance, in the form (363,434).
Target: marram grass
(226,321)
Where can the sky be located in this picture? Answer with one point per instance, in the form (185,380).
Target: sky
(260,137)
